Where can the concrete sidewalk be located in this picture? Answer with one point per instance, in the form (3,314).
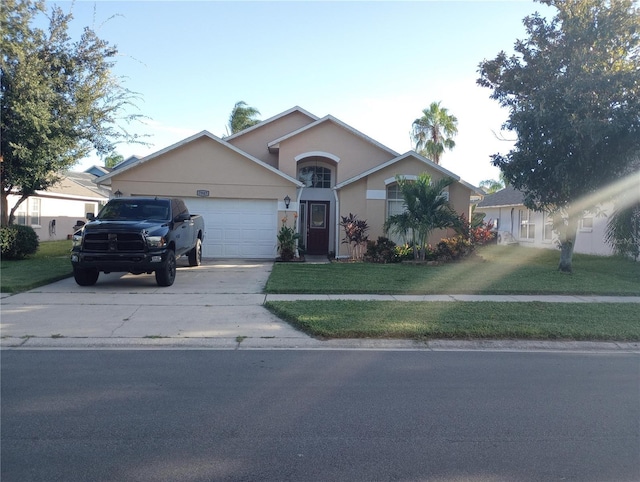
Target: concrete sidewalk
(218,305)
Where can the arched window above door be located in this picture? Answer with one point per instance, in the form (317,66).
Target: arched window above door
(315,176)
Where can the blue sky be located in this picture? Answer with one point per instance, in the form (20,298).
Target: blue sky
(374,65)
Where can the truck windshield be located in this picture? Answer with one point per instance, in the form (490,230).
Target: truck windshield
(135,210)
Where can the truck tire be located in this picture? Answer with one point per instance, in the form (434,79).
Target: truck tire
(85,276)
(195,255)
(166,275)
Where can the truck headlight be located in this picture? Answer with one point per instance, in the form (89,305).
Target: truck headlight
(76,239)
(156,241)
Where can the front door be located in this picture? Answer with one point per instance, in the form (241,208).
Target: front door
(315,218)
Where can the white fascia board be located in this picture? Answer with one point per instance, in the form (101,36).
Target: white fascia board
(70,197)
(499,206)
(274,118)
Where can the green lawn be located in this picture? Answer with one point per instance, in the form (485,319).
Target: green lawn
(462,320)
(50,263)
(494,270)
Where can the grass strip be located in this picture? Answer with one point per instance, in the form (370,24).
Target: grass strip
(462,320)
(494,270)
(50,263)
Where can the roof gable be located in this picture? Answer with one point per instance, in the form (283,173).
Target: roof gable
(329,118)
(275,118)
(395,160)
(200,135)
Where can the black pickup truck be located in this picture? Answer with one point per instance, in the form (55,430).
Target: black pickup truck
(137,235)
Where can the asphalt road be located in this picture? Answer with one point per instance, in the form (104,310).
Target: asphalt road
(319,416)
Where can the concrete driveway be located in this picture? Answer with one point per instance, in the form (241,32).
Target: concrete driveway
(218,303)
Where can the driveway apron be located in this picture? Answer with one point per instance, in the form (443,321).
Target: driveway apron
(220,301)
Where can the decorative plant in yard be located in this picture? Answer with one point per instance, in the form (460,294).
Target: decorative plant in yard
(287,237)
(381,251)
(478,231)
(356,237)
(425,209)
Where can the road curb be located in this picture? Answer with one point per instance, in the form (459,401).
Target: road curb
(273,343)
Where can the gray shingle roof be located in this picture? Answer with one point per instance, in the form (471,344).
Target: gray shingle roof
(505,197)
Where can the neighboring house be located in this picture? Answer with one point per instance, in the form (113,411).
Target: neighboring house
(54,213)
(323,167)
(515,223)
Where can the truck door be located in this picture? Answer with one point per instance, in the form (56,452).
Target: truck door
(180,228)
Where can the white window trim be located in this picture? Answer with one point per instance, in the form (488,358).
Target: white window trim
(376,194)
(527,223)
(587,229)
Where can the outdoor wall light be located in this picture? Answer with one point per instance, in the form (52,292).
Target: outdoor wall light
(287,201)
(118,193)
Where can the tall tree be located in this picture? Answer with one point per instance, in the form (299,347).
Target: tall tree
(573,96)
(59,100)
(113,160)
(242,116)
(491,186)
(434,131)
(425,209)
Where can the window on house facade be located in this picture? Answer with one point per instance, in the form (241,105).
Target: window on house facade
(28,213)
(548,227)
(315,176)
(395,205)
(89,208)
(527,224)
(395,201)
(586,223)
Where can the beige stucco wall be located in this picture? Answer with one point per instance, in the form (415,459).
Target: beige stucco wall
(203,164)
(353,198)
(255,141)
(355,153)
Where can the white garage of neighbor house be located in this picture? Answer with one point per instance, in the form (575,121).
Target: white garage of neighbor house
(293,168)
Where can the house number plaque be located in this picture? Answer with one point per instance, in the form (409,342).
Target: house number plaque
(202,193)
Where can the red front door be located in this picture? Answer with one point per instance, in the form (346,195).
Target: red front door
(316,218)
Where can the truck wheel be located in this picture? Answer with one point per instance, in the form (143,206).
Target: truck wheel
(195,255)
(85,276)
(166,274)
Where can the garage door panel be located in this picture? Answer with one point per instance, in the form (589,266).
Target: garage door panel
(237,228)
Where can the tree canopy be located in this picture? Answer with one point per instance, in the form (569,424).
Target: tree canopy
(59,99)
(242,116)
(434,131)
(573,94)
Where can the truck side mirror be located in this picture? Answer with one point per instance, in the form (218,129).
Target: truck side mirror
(91,216)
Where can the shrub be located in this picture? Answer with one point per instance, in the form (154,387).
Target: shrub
(18,241)
(381,251)
(453,248)
(404,252)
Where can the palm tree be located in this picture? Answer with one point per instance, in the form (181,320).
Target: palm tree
(426,209)
(434,131)
(242,117)
(491,186)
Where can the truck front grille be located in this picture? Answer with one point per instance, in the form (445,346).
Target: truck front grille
(113,242)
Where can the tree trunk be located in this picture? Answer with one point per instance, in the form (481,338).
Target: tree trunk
(567,233)
(4,220)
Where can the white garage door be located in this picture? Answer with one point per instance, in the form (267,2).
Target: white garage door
(237,228)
